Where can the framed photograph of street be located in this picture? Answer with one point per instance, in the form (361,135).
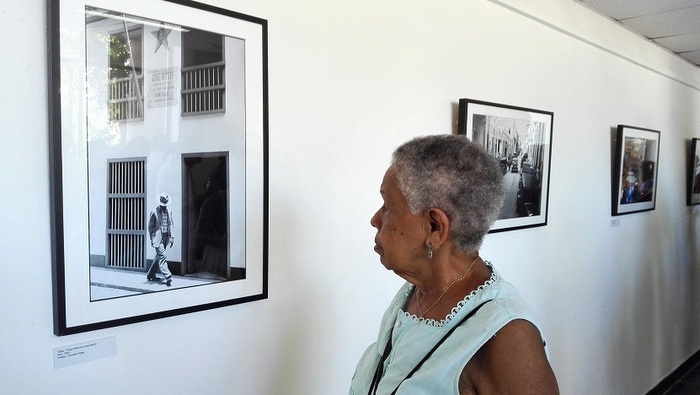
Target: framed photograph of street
(693,195)
(635,170)
(521,140)
(158,114)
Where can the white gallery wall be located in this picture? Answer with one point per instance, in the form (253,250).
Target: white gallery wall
(348,82)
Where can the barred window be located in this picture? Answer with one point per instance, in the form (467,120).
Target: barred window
(203,73)
(126,214)
(126,74)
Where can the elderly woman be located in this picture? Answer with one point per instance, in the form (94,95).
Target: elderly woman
(455,327)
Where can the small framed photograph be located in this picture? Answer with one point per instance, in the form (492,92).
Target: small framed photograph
(635,171)
(521,140)
(694,174)
(159,151)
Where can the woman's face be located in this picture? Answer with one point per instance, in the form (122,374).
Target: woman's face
(401,236)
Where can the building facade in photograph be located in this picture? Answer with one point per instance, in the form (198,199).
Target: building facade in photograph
(165,114)
(498,135)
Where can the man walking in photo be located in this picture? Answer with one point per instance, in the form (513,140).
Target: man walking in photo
(160,229)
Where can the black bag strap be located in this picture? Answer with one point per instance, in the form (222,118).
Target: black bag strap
(380,367)
(387,350)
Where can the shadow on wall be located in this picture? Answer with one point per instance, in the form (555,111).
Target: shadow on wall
(292,340)
(693,272)
(640,336)
(693,250)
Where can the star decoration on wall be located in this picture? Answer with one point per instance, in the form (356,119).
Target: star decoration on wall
(162,36)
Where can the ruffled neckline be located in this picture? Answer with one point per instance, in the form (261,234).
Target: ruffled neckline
(455,310)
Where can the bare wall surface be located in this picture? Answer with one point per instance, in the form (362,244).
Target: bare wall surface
(349,81)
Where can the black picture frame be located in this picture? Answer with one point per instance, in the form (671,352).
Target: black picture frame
(521,139)
(158,134)
(693,189)
(635,171)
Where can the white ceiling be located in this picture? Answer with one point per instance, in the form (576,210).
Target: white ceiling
(673,24)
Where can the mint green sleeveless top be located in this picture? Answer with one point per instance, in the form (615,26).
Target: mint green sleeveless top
(414,337)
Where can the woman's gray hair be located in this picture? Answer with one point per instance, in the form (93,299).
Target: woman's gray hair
(453,174)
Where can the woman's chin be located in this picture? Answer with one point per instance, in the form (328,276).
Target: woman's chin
(384,263)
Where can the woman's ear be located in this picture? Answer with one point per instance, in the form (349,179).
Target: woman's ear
(439,226)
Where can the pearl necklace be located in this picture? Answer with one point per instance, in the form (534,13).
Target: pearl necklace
(420,309)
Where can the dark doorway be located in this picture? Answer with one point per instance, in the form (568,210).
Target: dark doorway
(206,215)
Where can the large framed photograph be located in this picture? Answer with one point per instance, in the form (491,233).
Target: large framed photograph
(159,152)
(635,170)
(521,140)
(693,194)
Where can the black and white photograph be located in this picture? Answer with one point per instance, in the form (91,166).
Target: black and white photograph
(635,176)
(520,139)
(693,189)
(162,169)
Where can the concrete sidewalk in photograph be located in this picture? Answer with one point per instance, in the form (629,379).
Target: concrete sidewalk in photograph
(107,283)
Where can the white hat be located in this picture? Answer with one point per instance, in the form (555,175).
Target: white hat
(164,199)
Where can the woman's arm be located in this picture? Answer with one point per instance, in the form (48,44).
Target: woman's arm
(513,361)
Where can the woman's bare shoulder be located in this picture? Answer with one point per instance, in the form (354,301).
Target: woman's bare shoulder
(512,361)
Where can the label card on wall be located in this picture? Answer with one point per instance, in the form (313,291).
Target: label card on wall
(84,352)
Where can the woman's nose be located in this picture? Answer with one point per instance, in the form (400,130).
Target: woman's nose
(375,220)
